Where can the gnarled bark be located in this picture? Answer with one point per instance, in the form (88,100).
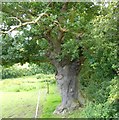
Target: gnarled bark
(68,85)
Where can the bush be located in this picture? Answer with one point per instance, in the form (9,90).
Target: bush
(105,110)
(26,70)
(99,74)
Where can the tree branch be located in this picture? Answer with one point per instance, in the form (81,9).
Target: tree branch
(62,31)
(59,25)
(24,24)
(17,20)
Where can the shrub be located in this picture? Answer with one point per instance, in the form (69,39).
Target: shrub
(99,75)
(30,69)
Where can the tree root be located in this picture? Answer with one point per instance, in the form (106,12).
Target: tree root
(63,109)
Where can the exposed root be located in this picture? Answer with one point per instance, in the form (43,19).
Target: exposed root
(63,109)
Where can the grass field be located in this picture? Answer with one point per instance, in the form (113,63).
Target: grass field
(19,97)
(29,83)
(19,105)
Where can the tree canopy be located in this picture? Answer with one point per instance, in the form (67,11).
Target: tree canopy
(58,31)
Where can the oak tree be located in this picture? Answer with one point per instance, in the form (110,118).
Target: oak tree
(49,32)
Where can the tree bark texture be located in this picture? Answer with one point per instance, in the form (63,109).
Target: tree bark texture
(69,88)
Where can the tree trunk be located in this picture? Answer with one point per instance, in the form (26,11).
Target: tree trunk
(69,88)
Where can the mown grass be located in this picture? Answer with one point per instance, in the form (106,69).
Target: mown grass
(19,105)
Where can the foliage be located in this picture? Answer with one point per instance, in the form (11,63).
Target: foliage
(72,53)
(55,34)
(31,69)
(99,75)
(105,110)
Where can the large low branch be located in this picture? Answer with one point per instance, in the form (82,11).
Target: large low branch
(24,24)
